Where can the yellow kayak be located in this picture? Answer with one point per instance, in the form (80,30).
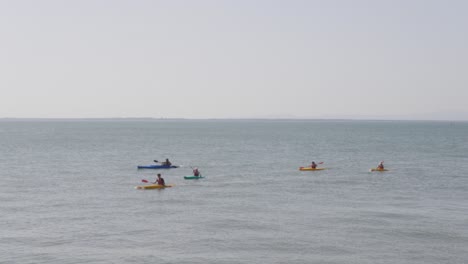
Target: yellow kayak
(153,186)
(377,169)
(310,169)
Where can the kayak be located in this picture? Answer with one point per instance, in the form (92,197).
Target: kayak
(153,186)
(377,169)
(193,177)
(310,169)
(157,167)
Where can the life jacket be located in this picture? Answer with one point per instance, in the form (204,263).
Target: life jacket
(161,181)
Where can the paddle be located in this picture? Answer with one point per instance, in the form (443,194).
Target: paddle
(381,163)
(319,163)
(146,181)
(165,164)
(311,166)
(193,169)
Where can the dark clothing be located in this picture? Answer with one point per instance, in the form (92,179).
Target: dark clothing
(160,181)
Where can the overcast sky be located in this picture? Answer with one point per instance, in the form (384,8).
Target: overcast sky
(234,59)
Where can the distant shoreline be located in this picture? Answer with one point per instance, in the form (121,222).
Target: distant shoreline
(135,119)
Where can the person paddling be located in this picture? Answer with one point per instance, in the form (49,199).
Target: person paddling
(166,163)
(159,180)
(313,165)
(380,166)
(196,172)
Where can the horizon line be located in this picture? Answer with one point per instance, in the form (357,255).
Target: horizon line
(224,118)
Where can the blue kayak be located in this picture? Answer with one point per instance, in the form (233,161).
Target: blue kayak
(157,167)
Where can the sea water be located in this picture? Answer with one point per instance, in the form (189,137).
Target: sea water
(67,192)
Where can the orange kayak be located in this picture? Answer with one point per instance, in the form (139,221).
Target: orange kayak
(377,169)
(153,186)
(310,169)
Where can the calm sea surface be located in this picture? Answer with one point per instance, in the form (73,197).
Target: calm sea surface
(68,193)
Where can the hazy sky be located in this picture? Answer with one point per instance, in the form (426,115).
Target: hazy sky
(234,59)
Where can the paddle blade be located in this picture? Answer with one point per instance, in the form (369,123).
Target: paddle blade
(320,162)
(144,181)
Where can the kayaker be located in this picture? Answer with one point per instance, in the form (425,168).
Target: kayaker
(313,165)
(166,163)
(159,180)
(380,166)
(196,172)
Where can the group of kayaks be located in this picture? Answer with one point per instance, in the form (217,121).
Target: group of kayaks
(162,166)
(193,177)
(319,169)
(313,167)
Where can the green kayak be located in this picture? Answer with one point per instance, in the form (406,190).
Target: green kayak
(193,177)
